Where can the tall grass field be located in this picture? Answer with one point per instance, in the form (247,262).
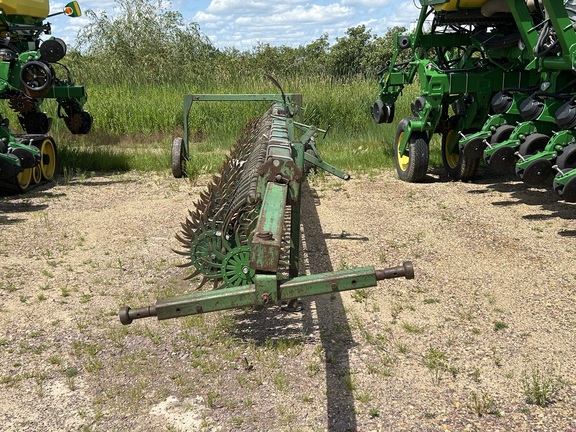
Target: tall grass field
(134,124)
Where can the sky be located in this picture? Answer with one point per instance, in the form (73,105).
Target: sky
(243,24)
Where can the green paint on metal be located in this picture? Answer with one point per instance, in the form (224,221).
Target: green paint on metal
(267,239)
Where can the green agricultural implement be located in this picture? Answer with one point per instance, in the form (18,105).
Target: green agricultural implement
(497,82)
(27,78)
(244,234)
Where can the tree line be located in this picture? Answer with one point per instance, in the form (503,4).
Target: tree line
(149,43)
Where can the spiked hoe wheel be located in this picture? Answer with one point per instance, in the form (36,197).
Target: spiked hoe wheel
(22,104)
(247,222)
(79,123)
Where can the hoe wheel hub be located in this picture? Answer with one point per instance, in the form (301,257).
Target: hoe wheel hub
(236,269)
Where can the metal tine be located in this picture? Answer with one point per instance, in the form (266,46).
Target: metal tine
(188,232)
(182,240)
(202,282)
(186,237)
(227,204)
(182,253)
(194,274)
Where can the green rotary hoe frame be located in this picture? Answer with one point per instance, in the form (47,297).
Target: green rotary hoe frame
(497,82)
(244,234)
(28,77)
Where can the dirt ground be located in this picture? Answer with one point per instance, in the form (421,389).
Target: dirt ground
(488,322)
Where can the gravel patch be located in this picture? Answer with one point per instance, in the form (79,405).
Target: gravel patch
(490,313)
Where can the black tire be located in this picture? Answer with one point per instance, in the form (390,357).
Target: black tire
(457,165)
(499,162)
(534,143)
(567,160)
(379,112)
(178,158)
(413,166)
(569,190)
(501,134)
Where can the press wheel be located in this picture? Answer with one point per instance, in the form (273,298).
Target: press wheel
(537,172)
(503,157)
(501,134)
(567,160)
(534,143)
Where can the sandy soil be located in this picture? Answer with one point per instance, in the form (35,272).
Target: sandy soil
(491,312)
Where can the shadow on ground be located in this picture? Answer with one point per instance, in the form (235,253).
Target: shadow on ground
(321,314)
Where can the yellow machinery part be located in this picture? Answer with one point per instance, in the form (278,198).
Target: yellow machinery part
(453,5)
(33,8)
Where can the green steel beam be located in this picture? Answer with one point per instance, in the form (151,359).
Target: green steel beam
(267,240)
(66,92)
(265,291)
(563,26)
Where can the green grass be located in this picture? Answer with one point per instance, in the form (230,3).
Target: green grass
(483,404)
(541,385)
(437,363)
(134,124)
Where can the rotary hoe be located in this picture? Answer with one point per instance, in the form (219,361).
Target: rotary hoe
(244,235)
(497,82)
(27,77)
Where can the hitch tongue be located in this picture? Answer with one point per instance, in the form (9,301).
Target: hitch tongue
(127,315)
(406,270)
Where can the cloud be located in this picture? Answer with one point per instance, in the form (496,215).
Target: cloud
(371,4)
(244,23)
(230,6)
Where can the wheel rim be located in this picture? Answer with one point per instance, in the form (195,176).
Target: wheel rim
(48,159)
(452,159)
(403,160)
(236,269)
(24,178)
(203,251)
(36,174)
